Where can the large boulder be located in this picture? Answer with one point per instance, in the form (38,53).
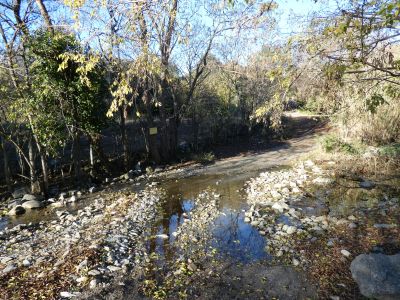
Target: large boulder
(19,193)
(17,210)
(32,204)
(29,197)
(377,275)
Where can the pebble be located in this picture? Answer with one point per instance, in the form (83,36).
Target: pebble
(93,283)
(9,268)
(162,236)
(385,226)
(94,272)
(345,253)
(352,225)
(113,268)
(67,295)
(26,263)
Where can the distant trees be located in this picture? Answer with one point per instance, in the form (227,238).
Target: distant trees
(62,73)
(55,92)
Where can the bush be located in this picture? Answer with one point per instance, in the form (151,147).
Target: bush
(390,150)
(332,143)
(204,158)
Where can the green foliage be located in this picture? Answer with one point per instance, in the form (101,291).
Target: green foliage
(204,158)
(331,143)
(67,89)
(390,150)
(374,102)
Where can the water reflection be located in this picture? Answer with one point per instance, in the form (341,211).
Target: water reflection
(237,239)
(231,236)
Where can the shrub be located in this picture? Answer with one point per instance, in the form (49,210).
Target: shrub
(331,143)
(204,158)
(390,150)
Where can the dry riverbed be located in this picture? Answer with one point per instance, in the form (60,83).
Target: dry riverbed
(319,222)
(315,219)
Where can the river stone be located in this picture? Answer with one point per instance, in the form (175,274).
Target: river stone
(291,229)
(9,268)
(29,197)
(31,204)
(377,275)
(5,259)
(14,203)
(17,210)
(385,226)
(366,184)
(162,236)
(19,193)
(345,252)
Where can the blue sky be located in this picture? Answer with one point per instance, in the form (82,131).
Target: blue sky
(288,9)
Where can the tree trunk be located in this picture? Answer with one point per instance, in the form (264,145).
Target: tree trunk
(124,139)
(98,151)
(45,171)
(21,159)
(195,131)
(7,174)
(45,15)
(91,154)
(35,186)
(151,138)
(76,157)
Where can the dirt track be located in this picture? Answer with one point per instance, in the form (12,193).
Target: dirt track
(302,132)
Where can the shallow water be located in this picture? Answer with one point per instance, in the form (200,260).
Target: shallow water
(231,236)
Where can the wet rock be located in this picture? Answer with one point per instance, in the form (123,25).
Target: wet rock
(377,275)
(31,204)
(247,219)
(17,210)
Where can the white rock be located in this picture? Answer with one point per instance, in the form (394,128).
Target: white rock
(93,284)
(295,262)
(162,236)
(67,295)
(345,253)
(26,263)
